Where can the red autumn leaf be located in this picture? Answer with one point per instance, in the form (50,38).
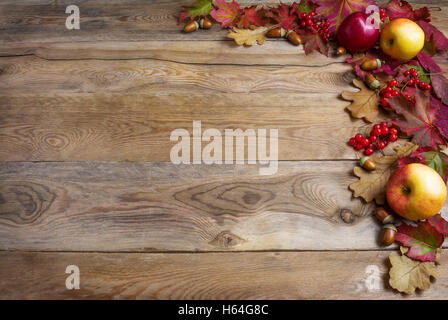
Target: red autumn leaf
(252,17)
(440,85)
(284,16)
(402,9)
(442,119)
(422,240)
(440,224)
(418,120)
(227,13)
(430,157)
(432,33)
(358,59)
(314,42)
(337,10)
(428,63)
(199,8)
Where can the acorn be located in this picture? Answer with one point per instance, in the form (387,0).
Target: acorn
(389,232)
(191,26)
(340,51)
(384,216)
(367,163)
(294,38)
(205,23)
(371,64)
(276,33)
(371,81)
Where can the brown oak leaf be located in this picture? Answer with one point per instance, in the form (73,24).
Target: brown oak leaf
(372,184)
(365,102)
(406,274)
(248,37)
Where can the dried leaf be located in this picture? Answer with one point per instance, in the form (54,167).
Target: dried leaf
(227,13)
(199,8)
(440,224)
(406,274)
(402,9)
(337,10)
(423,240)
(365,102)
(372,184)
(248,37)
(418,120)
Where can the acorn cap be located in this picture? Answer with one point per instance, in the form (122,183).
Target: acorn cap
(379,63)
(390,226)
(363,160)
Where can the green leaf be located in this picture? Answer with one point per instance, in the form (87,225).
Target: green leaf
(198,8)
(421,73)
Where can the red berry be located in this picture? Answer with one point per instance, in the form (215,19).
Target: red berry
(386,142)
(428,87)
(388,89)
(303,23)
(381,145)
(411,82)
(387,95)
(377,131)
(368,151)
(414,74)
(412,70)
(352,142)
(392,83)
(422,85)
(309,22)
(384,102)
(358,137)
(384,124)
(359,147)
(302,15)
(393,131)
(417,82)
(385,131)
(377,126)
(365,142)
(394,93)
(393,138)
(373,139)
(407,73)
(370,146)
(414,101)
(312,13)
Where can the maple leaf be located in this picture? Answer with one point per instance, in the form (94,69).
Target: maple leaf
(199,8)
(284,17)
(365,102)
(432,33)
(442,121)
(440,224)
(252,17)
(423,240)
(227,13)
(439,82)
(314,42)
(248,37)
(337,10)
(402,9)
(418,120)
(372,184)
(406,275)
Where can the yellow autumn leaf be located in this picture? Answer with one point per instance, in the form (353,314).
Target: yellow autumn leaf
(372,184)
(248,37)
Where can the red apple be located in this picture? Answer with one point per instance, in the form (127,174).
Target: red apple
(355,34)
(416,192)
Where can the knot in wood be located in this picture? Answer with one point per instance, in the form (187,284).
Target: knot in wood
(347,215)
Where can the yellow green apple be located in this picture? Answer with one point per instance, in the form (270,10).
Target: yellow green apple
(402,39)
(416,191)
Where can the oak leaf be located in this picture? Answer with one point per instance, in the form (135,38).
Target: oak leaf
(422,240)
(372,184)
(406,274)
(248,37)
(365,102)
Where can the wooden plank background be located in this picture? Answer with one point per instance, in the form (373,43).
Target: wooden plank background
(85,176)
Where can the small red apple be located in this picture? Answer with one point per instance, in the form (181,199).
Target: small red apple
(416,192)
(355,34)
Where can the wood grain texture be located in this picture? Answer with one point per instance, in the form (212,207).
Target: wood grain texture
(161,206)
(250,275)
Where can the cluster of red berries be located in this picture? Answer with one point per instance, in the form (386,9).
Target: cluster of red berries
(414,81)
(311,22)
(388,92)
(379,138)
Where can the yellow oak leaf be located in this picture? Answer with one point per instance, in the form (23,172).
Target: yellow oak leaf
(248,37)
(406,274)
(372,184)
(364,102)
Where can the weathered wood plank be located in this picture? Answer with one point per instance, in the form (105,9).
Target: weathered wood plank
(250,275)
(114,21)
(161,206)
